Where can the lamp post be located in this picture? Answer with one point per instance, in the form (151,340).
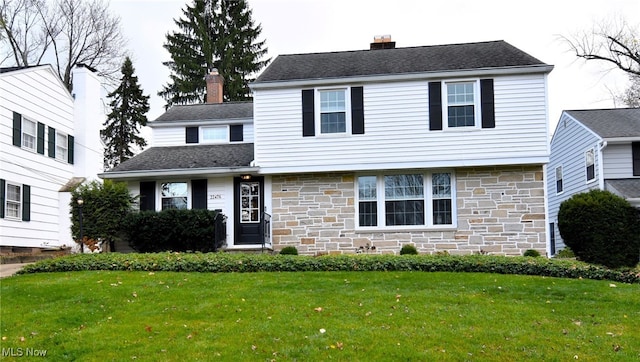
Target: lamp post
(80,202)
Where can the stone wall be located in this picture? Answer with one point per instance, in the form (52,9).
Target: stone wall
(500,210)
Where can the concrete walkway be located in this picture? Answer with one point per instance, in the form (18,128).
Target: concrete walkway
(10,269)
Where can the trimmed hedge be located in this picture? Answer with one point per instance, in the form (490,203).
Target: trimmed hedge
(241,263)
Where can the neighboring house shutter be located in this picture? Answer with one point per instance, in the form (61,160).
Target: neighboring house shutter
(17,129)
(236,133)
(40,144)
(487,103)
(192,134)
(2,193)
(308,113)
(147,196)
(435,106)
(357,110)
(199,194)
(635,151)
(70,148)
(26,203)
(52,142)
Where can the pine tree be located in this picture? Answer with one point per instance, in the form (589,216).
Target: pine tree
(213,34)
(128,112)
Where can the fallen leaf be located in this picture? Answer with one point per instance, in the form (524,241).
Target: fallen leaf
(22,339)
(147,328)
(340,345)
(189,336)
(135,295)
(253,347)
(319,309)
(612,285)
(616,347)
(322,330)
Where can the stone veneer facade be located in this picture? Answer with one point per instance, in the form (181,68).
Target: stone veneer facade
(500,211)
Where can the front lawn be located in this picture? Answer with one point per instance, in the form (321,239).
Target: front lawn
(318,316)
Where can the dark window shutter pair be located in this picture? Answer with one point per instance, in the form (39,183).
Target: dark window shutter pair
(308,111)
(199,194)
(486,104)
(635,151)
(236,133)
(148,196)
(26,200)
(191,135)
(52,142)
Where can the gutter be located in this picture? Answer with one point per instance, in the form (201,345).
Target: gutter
(601,146)
(158,174)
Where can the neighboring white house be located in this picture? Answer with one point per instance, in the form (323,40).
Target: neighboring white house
(442,147)
(50,142)
(593,149)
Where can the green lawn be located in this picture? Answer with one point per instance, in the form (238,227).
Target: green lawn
(317,316)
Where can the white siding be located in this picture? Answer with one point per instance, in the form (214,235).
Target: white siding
(397,131)
(618,161)
(568,146)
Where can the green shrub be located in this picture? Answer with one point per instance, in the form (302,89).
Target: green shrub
(531,253)
(289,250)
(565,253)
(170,230)
(601,228)
(408,249)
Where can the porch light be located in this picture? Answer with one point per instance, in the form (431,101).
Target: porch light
(245,177)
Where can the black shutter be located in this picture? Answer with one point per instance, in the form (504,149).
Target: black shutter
(487,103)
(2,193)
(70,148)
(236,133)
(192,134)
(52,142)
(17,129)
(635,151)
(199,194)
(357,110)
(148,196)
(308,113)
(40,147)
(26,203)
(435,106)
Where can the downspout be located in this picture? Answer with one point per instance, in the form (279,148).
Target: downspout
(601,146)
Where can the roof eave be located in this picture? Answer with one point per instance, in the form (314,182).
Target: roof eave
(212,121)
(621,139)
(159,174)
(476,72)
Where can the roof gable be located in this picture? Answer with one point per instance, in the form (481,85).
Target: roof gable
(610,123)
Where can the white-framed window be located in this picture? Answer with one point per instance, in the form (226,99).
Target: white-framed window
(13,201)
(590,169)
(214,134)
(461,104)
(29,134)
(62,144)
(333,111)
(173,195)
(559,180)
(406,200)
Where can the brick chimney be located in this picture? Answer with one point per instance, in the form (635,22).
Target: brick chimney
(214,86)
(382,42)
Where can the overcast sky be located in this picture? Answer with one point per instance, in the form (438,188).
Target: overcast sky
(307,26)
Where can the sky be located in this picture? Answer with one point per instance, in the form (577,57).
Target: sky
(309,26)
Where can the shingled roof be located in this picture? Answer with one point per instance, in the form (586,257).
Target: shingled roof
(207,112)
(189,157)
(451,57)
(610,123)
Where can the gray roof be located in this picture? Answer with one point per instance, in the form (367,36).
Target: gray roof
(189,157)
(627,188)
(451,57)
(207,111)
(609,123)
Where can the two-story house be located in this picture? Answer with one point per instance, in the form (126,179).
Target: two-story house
(50,143)
(593,149)
(441,146)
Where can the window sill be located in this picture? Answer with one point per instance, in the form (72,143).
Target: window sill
(406,229)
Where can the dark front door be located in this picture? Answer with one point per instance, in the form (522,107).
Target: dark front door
(249,204)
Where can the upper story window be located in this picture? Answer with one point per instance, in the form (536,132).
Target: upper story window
(215,134)
(333,111)
(401,200)
(174,195)
(590,168)
(29,134)
(62,142)
(13,201)
(461,104)
(559,186)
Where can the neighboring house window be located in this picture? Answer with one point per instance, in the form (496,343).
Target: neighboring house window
(333,111)
(590,165)
(635,150)
(464,104)
(559,186)
(461,104)
(215,134)
(15,201)
(62,143)
(405,200)
(29,134)
(174,195)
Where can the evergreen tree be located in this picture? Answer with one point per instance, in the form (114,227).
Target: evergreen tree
(213,34)
(128,112)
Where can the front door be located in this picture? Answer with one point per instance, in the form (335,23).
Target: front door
(249,205)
